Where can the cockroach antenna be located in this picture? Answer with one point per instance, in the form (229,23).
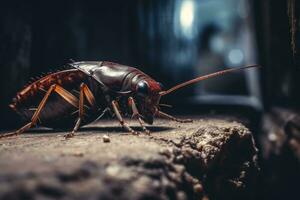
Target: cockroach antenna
(201,78)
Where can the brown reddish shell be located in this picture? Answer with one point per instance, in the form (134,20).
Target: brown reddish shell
(57,113)
(65,77)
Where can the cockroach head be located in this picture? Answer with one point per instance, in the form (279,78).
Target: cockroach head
(148,97)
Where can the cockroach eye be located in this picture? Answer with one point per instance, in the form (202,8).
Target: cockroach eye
(142,88)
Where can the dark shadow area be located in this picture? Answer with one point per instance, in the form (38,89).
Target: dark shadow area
(118,129)
(98,129)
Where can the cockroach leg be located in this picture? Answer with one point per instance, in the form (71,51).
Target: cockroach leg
(84,93)
(39,120)
(167,116)
(76,111)
(54,88)
(120,118)
(103,113)
(86,107)
(34,117)
(81,110)
(137,114)
(69,97)
(42,89)
(72,134)
(88,95)
(77,92)
(18,132)
(165,105)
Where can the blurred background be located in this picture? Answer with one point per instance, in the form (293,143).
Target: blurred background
(174,41)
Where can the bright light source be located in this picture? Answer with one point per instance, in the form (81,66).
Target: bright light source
(187,15)
(236,56)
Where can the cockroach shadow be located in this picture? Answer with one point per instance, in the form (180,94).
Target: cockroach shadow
(118,129)
(99,129)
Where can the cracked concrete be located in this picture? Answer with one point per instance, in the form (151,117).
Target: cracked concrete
(207,159)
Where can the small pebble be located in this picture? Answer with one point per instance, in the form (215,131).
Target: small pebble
(106,138)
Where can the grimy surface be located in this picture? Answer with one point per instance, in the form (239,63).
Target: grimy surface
(208,159)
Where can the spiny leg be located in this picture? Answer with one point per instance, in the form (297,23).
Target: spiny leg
(85,92)
(167,116)
(81,113)
(122,122)
(137,114)
(62,92)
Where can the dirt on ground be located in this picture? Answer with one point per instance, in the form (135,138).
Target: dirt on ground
(207,159)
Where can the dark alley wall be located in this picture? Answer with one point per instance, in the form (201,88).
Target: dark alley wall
(38,36)
(281,67)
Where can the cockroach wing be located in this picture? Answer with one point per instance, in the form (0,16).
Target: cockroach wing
(89,68)
(111,76)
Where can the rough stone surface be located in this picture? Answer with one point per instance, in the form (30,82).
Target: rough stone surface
(280,149)
(209,158)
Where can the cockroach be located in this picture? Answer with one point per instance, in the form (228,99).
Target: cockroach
(85,91)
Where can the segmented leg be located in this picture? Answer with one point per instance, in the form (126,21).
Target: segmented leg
(167,116)
(85,92)
(122,122)
(137,114)
(54,88)
(88,95)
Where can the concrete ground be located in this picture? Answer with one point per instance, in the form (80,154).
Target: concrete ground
(211,158)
